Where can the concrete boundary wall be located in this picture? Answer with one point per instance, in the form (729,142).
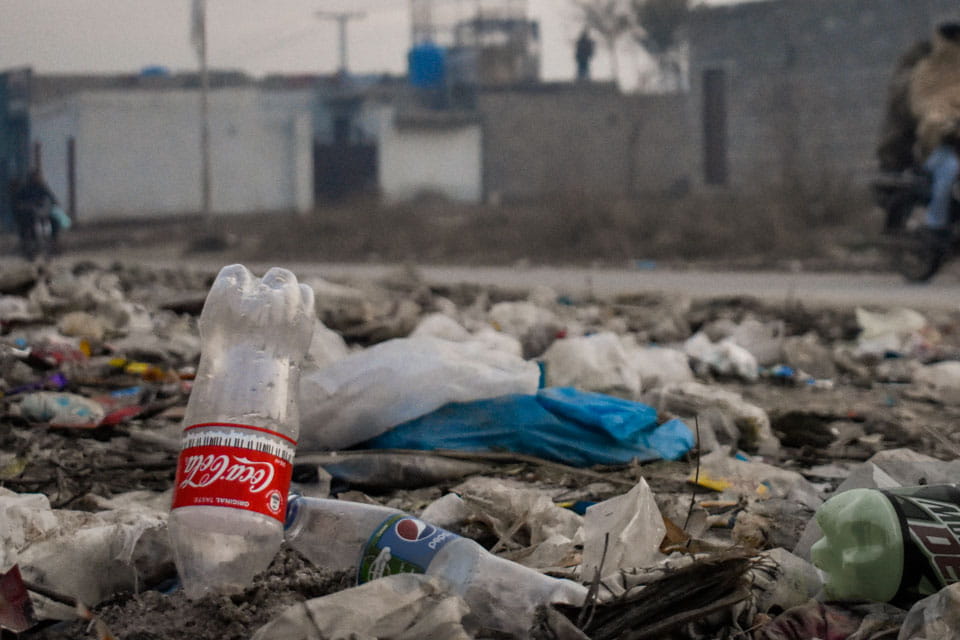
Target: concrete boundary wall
(586,139)
(138,152)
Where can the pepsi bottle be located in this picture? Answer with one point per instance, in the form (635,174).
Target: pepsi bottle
(377,541)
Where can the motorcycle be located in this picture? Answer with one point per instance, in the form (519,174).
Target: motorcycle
(916,253)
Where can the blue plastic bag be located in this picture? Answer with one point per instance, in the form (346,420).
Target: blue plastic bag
(563,424)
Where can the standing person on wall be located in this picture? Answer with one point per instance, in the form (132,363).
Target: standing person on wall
(584,52)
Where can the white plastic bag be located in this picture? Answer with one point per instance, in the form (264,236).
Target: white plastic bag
(658,366)
(439,325)
(939,381)
(371,391)
(692,398)
(725,358)
(592,363)
(884,332)
(517,318)
(763,340)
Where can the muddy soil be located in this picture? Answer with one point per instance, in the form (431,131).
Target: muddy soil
(162,614)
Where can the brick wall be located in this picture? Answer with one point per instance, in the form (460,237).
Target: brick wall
(582,138)
(805,82)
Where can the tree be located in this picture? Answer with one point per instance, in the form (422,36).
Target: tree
(657,27)
(611,20)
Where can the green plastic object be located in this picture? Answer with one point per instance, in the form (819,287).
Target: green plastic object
(862,551)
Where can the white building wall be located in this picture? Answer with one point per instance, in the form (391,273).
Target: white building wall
(445,160)
(138,152)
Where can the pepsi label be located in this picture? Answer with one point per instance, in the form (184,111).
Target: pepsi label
(401,544)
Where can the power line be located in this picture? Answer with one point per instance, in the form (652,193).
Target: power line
(241,52)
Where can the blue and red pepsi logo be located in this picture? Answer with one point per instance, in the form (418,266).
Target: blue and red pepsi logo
(412,530)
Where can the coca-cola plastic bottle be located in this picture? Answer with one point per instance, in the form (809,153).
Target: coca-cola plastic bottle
(240,429)
(380,541)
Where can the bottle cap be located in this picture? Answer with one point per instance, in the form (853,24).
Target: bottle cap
(862,550)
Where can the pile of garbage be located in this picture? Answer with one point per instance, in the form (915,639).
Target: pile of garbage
(642,467)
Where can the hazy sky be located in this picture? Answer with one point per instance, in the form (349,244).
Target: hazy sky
(257,36)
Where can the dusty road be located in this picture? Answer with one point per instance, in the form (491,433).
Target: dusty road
(813,289)
(844,289)
(829,289)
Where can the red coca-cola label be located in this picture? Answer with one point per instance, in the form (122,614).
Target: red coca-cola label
(234,466)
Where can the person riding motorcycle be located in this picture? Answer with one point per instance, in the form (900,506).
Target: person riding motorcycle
(921,127)
(33,200)
(898,134)
(935,102)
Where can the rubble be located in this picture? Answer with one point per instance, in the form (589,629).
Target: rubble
(705,537)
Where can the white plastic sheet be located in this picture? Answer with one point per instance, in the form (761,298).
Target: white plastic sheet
(634,527)
(369,392)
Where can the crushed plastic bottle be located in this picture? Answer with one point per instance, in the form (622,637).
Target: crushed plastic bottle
(892,545)
(380,541)
(240,430)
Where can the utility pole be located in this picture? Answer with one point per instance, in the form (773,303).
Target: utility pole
(199,38)
(342,18)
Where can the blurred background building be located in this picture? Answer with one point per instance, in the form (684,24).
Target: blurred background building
(776,93)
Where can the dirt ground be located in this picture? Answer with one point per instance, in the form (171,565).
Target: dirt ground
(880,417)
(824,230)
(859,413)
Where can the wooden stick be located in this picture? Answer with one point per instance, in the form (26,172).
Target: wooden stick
(50,593)
(489,456)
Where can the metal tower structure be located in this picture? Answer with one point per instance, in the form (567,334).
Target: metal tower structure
(487,41)
(421,21)
(437,20)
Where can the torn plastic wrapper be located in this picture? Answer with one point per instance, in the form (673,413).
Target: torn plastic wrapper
(404,606)
(55,382)
(87,556)
(121,405)
(62,409)
(383,470)
(738,475)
